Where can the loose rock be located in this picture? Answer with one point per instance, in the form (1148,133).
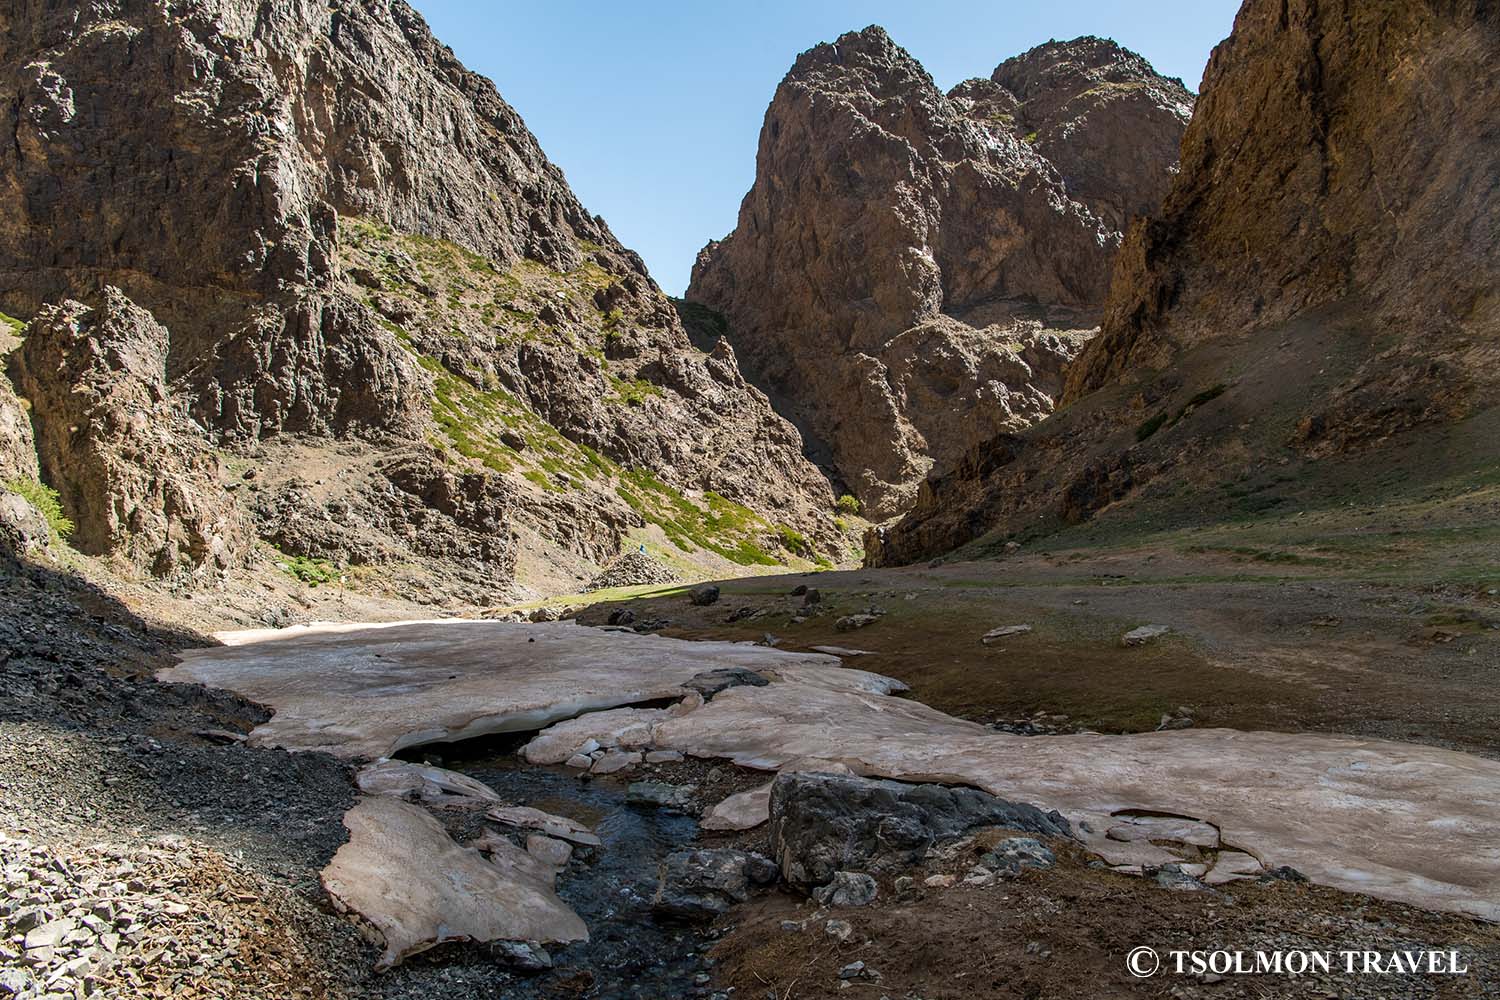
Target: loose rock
(847,889)
(1145,634)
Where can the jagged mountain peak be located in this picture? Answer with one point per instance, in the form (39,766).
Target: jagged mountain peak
(1097,60)
(911,270)
(1314,299)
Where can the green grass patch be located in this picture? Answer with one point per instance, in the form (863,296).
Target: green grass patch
(313,572)
(453,293)
(794,542)
(634,392)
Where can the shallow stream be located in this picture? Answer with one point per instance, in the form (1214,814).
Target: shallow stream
(629,955)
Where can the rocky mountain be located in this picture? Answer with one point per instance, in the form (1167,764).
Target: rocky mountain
(1312,318)
(912,271)
(324,288)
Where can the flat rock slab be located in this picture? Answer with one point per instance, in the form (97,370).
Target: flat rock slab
(402,872)
(560,827)
(1400,821)
(372,690)
(742,811)
(1144,634)
(424,783)
(1004,632)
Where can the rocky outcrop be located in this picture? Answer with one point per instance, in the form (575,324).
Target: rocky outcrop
(24,532)
(1319,287)
(283,187)
(1291,199)
(131,471)
(401,506)
(912,271)
(17,447)
(1101,115)
(704,884)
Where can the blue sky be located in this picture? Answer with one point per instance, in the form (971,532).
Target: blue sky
(653,109)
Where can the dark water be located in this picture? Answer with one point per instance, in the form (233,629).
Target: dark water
(629,956)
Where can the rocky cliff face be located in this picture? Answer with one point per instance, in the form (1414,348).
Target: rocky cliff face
(136,476)
(1331,157)
(1318,287)
(346,234)
(912,271)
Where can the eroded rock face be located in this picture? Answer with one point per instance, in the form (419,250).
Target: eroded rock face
(1320,279)
(346,233)
(17,449)
(1289,198)
(912,271)
(134,474)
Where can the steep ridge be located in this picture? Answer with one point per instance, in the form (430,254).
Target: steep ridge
(911,271)
(367,271)
(1312,318)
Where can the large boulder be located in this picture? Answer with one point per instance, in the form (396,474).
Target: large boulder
(24,532)
(703,884)
(132,472)
(823,824)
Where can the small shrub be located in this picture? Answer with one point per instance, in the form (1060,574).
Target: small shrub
(1151,426)
(45,500)
(848,504)
(312,572)
(794,541)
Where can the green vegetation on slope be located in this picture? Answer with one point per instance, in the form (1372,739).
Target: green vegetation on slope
(489,427)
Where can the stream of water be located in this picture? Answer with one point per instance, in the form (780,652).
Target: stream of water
(629,955)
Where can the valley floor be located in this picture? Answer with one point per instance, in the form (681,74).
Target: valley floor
(131,809)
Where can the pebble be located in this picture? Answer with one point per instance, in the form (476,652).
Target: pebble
(847,889)
(114,908)
(616,760)
(858,970)
(1004,632)
(1144,634)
